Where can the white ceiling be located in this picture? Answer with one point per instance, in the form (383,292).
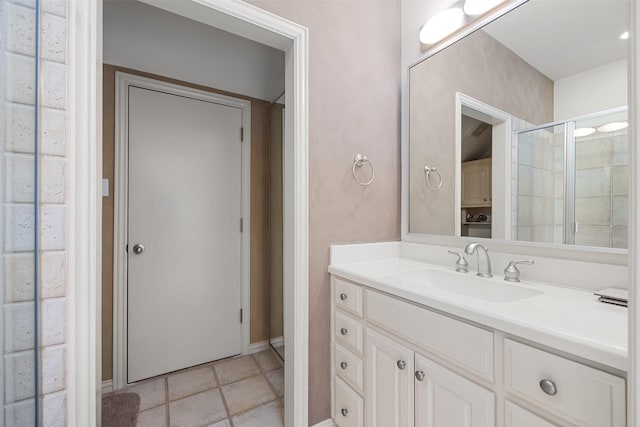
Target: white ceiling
(564,37)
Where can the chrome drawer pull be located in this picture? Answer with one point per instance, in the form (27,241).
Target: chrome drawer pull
(343,297)
(343,331)
(401,364)
(344,412)
(420,375)
(343,365)
(548,387)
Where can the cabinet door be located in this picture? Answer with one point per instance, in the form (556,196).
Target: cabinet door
(476,184)
(388,383)
(444,398)
(516,416)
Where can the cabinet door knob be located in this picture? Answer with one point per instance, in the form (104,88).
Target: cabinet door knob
(343,365)
(420,375)
(548,387)
(401,364)
(343,297)
(484,199)
(344,412)
(343,331)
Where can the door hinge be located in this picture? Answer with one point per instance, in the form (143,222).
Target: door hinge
(126,248)
(241,134)
(241,315)
(241,225)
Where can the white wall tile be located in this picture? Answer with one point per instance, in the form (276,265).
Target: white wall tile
(53,321)
(53,179)
(53,268)
(20,78)
(620,211)
(53,233)
(54,85)
(54,410)
(593,182)
(621,150)
(18,327)
(620,180)
(20,122)
(593,210)
(19,277)
(19,178)
(54,369)
(28,3)
(21,413)
(19,228)
(21,37)
(56,7)
(54,38)
(19,376)
(53,135)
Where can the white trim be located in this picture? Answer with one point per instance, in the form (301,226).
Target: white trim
(257,347)
(326,423)
(276,341)
(107,386)
(85,83)
(122,83)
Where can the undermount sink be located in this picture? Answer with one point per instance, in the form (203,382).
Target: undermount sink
(468,284)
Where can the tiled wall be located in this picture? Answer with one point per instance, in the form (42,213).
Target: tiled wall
(18,109)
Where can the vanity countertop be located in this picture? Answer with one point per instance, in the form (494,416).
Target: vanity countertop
(566,319)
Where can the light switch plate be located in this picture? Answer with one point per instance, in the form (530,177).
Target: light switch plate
(105,187)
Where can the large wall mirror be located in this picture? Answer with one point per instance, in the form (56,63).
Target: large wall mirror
(518,131)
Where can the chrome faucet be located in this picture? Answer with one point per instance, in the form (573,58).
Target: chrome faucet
(484,263)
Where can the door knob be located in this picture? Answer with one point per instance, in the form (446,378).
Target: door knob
(343,297)
(344,412)
(401,364)
(420,375)
(138,249)
(343,331)
(343,365)
(548,387)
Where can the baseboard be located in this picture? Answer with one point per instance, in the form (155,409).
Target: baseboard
(257,347)
(107,386)
(326,423)
(277,341)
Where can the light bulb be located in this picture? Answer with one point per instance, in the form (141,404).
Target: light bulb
(441,25)
(583,132)
(478,7)
(613,126)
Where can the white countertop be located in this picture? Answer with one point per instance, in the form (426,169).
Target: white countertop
(566,319)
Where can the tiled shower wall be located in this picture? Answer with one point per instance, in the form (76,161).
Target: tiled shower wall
(18,37)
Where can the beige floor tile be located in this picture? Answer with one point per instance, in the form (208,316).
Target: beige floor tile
(223,423)
(276,379)
(191,382)
(152,393)
(269,415)
(267,360)
(247,394)
(156,417)
(236,369)
(198,410)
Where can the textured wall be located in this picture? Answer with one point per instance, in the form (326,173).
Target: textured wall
(479,67)
(354,107)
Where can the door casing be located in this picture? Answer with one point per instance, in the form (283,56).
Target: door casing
(121,197)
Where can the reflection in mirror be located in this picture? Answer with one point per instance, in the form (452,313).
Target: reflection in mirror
(514,117)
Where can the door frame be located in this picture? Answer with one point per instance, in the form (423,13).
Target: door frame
(84,208)
(121,207)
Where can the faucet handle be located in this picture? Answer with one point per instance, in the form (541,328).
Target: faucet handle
(461,264)
(511,273)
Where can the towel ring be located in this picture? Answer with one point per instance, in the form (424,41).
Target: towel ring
(358,161)
(427,172)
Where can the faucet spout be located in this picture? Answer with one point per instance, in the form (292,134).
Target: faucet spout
(484,263)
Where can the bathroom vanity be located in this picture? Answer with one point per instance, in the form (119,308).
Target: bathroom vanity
(415,343)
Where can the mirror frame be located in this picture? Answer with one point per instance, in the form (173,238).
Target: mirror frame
(551,250)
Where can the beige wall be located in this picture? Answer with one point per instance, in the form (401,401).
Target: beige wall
(259,212)
(276,312)
(486,70)
(354,107)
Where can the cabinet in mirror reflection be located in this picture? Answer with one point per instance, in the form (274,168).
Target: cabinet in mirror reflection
(525,119)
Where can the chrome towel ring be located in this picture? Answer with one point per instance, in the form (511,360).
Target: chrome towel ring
(428,171)
(359,161)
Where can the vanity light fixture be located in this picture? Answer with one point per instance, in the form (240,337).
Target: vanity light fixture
(613,126)
(441,25)
(624,36)
(580,132)
(478,7)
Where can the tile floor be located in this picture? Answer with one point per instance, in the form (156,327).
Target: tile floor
(245,391)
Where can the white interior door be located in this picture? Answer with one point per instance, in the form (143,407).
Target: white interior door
(184,289)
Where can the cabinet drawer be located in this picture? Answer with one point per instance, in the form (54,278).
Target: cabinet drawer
(583,395)
(465,345)
(515,416)
(348,296)
(348,331)
(349,406)
(348,366)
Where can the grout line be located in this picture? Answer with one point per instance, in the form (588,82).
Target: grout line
(166,401)
(224,401)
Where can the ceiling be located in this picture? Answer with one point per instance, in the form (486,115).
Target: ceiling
(564,37)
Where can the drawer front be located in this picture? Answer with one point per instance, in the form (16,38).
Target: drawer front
(465,345)
(348,332)
(348,366)
(349,406)
(581,394)
(515,416)
(348,296)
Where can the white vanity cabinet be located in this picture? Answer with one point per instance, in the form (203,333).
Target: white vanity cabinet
(476,183)
(400,364)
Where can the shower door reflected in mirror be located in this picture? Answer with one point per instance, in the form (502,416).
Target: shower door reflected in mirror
(276,323)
